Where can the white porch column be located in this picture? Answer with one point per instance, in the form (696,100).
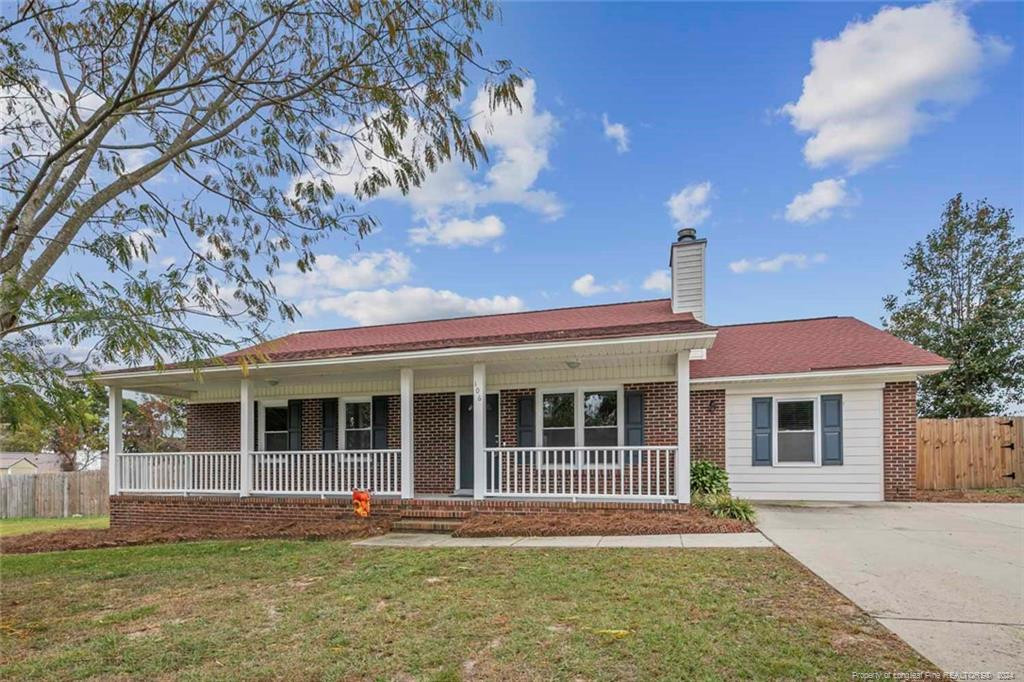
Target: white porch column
(479,430)
(406,380)
(245,440)
(683,427)
(115,443)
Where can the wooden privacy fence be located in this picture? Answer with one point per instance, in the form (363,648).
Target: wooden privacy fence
(54,495)
(983,452)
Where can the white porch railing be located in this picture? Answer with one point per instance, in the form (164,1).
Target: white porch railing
(600,472)
(178,472)
(327,472)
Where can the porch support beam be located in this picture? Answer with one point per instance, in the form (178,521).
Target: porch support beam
(115,441)
(683,427)
(406,382)
(245,439)
(479,430)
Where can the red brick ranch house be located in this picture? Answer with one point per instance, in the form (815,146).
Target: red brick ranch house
(597,406)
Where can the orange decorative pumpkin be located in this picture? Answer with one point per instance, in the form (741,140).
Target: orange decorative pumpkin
(361,502)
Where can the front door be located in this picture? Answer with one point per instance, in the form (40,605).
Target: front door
(466,435)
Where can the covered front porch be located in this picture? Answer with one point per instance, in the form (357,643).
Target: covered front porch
(598,420)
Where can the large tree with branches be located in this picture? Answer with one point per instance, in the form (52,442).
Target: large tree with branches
(965,301)
(249,106)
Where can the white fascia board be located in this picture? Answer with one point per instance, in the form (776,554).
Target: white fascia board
(700,339)
(897,371)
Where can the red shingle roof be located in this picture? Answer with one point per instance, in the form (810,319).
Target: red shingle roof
(641,318)
(806,346)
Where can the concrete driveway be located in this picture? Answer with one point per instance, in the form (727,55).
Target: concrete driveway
(947,578)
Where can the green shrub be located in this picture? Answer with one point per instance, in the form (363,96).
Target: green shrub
(707,478)
(726,507)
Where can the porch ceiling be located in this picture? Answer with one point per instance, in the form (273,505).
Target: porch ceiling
(435,364)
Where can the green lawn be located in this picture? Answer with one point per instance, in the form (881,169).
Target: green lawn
(328,610)
(33,525)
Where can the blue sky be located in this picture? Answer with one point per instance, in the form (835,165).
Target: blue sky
(809,191)
(699,90)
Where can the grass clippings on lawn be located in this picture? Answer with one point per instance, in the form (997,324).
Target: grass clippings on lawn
(146,535)
(980,495)
(598,523)
(285,609)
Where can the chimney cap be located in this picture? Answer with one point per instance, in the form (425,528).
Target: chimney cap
(687,234)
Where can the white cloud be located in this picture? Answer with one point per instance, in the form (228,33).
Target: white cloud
(870,89)
(659,280)
(796,260)
(819,201)
(459,232)
(518,143)
(406,304)
(586,285)
(616,132)
(331,273)
(688,207)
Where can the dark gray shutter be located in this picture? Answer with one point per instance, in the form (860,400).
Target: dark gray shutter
(761,413)
(526,422)
(379,410)
(255,425)
(329,431)
(832,429)
(634,418)
(294,424)
(634,431)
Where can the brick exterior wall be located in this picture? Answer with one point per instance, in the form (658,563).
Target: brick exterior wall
(433,442)
(312,424)
(395,421)
(899,440)
(707,426)
(659,411)
(210,427)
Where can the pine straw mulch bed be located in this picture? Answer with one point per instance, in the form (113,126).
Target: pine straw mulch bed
(61,540)
(598,523)
(985,495)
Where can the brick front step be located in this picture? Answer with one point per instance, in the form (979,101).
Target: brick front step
(418,525)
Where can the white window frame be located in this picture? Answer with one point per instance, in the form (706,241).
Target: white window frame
(579,419)
(343,421)
(264,404)
(816,403)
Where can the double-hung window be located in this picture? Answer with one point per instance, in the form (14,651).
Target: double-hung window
(601,418)
(275,427)
(581,418)
(795,431)
(358,425)
(559,424)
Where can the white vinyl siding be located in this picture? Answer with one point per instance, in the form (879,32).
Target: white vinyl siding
(688,278)
(859,478)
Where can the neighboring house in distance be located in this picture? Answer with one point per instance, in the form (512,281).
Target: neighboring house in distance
(14,463)
(596,406)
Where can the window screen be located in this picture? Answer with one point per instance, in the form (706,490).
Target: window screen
(796,431)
